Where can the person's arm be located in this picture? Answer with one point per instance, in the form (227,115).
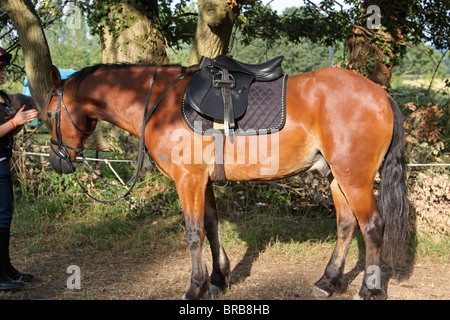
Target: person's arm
(16,123)
(6,128)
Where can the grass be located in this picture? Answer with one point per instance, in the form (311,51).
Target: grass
(432,246)
(265,228)
(61,214)
(259,216)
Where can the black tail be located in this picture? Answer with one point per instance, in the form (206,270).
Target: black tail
(394,201)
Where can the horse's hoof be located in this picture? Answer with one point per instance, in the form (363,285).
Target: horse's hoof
(357,297)
(381,295)
(189,296)
(320,294)
(215,291)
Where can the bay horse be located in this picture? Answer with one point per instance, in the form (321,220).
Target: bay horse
(337,122)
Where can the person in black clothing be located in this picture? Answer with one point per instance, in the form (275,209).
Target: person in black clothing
(11,122)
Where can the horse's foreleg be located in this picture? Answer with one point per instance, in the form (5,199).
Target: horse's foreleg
(192,197)
(199,277)
(331,280)
(220,275)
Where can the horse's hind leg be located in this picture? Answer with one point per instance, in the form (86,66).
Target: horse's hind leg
(331,280)
(221,266)
(362,202)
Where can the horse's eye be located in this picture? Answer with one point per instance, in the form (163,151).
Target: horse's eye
(50,115)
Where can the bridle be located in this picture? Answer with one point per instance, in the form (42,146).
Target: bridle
(62,148)
(64,154)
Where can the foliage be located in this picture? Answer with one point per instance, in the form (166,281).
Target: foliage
(422,123)
(377,32)
(422,60)
(177,22)
(293,26)
(411,21)
(427,133)
(72,48)
(48,11)
(425,105)
(326,23)
(107,15)
(298,58)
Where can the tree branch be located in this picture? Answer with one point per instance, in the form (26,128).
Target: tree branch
(435,70)
(175,18)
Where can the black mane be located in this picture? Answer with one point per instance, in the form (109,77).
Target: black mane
(77,77)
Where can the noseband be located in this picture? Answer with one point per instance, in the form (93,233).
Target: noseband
(62,151)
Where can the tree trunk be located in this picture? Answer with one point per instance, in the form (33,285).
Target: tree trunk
(373,50)
(130,34)
(38,63)
(214,26)
(371,58)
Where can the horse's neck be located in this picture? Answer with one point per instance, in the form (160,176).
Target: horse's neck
(120,111)
(128,119)
(126,110)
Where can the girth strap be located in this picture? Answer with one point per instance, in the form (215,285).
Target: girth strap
(219,166)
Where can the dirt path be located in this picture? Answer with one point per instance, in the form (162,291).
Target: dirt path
(110,275)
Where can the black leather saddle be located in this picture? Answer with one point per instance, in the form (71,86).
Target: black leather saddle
(266,71)
(219,87)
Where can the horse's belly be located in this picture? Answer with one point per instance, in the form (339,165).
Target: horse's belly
(269,157)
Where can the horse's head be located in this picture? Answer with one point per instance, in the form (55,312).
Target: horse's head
(71,126)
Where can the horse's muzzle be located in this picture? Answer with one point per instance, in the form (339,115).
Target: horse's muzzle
(61,165)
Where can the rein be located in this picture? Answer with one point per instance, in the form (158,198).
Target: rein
(64,155)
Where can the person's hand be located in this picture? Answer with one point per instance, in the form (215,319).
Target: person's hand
(23,117)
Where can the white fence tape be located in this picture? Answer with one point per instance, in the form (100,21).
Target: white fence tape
(428,164)
(78,158)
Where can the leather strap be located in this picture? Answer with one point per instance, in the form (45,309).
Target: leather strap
(219,166)
(226,84)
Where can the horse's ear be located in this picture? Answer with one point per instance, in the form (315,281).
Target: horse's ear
(55,78)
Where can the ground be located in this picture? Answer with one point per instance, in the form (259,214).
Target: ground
(269,274)
(278,242)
